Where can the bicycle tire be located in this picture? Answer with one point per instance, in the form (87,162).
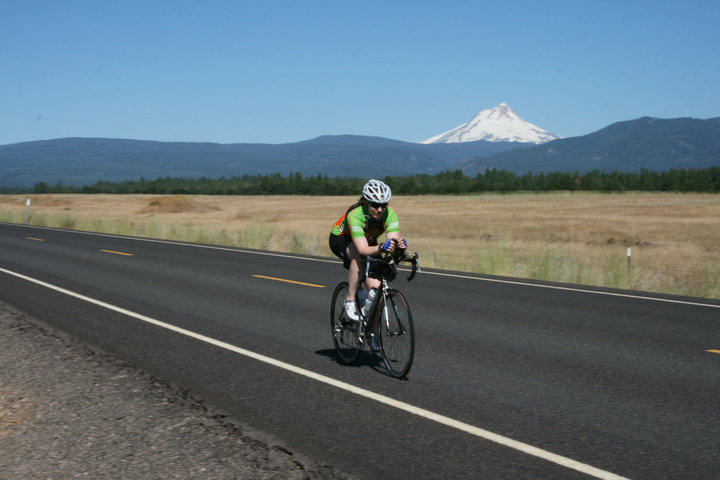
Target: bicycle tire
(396,332)
(344,331)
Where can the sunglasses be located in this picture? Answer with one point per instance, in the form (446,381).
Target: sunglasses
(378,205)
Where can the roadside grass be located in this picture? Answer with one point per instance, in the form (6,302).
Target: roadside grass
(562,237)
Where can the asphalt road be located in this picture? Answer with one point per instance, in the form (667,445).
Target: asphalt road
(511,379)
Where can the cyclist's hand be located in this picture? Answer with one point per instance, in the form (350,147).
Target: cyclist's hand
(401,244)
(388,246)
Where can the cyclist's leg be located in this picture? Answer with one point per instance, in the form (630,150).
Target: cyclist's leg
(356,270)
(338,245)
(343,248)
(372,283)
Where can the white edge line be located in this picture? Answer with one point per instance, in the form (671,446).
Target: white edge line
(575,289)
(313,259)
(421,412)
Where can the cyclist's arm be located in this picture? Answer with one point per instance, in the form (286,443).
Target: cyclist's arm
(363,248)
(393,229)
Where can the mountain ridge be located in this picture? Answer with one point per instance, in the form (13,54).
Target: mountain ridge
(650,143)
(83,161)
(647,142)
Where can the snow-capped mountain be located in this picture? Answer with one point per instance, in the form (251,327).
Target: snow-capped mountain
(499,124)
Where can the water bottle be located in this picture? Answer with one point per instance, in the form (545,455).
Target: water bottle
(369,301)
(361,295)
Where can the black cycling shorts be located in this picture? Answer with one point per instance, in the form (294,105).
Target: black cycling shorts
(338,245)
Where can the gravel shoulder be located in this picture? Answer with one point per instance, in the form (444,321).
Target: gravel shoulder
(69,411)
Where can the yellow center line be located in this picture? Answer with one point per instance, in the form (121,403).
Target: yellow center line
(35,239)
(290,281)
(118,253)
(713,351)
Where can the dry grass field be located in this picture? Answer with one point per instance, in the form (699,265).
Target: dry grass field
(566,237)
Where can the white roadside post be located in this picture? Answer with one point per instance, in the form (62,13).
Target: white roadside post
(27,211)
(628,263)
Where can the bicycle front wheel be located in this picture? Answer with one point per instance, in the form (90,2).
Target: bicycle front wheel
(344,330)
(397,333)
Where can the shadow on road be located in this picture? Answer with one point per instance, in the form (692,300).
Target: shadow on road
(365,359)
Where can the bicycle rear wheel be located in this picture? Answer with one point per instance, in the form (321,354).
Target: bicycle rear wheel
(397,333)
(344,331)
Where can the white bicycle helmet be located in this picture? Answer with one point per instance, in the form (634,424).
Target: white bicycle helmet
(376,191)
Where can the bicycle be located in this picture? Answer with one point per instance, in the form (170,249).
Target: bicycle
(389,319)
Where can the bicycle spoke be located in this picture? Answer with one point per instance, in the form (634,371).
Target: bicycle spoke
(397,336)
(344,331)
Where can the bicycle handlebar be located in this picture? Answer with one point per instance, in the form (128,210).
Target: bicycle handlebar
(415,260)
(389,260)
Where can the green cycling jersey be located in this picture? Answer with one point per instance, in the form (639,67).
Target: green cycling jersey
(358,223)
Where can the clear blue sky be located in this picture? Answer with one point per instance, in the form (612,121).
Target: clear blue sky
(285,71)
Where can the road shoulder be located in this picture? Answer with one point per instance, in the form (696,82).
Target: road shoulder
(68,411)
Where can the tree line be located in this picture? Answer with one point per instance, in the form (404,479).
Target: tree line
(443,183)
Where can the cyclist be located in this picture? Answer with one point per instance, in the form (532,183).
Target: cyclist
(355,235)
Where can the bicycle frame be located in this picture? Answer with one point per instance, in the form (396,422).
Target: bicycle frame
(385,278)
(395,340)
